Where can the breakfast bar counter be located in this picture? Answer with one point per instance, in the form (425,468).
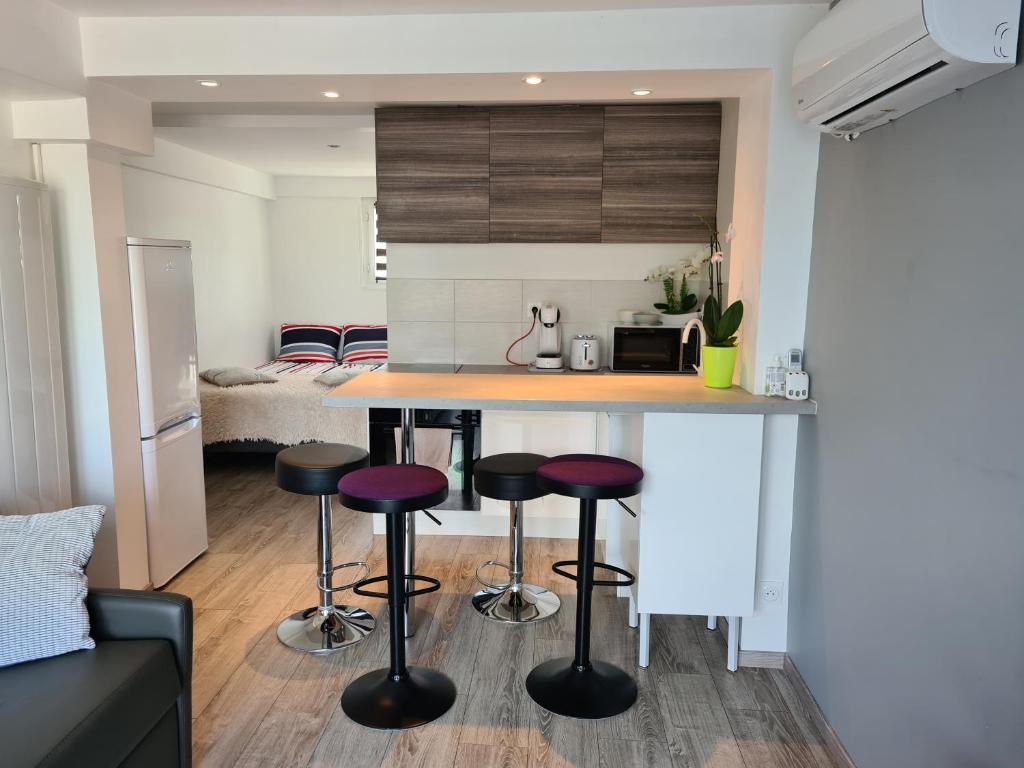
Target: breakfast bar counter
(511,390)
(695,545)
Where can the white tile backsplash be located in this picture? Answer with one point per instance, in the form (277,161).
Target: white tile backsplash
(421,300)
(609,296)
(573,297)
(488,301)
(486,343)
(421,342)
(489,314)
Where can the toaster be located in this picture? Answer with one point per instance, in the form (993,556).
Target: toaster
(585,353)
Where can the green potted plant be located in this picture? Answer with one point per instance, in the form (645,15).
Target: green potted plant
(718,354)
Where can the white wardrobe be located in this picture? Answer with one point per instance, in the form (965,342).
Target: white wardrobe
(34,474)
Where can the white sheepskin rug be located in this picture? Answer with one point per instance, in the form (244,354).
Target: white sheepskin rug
(288,412)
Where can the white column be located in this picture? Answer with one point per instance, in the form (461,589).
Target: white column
(99,358)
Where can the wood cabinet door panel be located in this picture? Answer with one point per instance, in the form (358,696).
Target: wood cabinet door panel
(432,174)
(660,172)
(545,166)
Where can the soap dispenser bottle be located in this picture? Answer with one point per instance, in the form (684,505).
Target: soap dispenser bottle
(775,378)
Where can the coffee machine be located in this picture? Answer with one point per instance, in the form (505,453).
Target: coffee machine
(549,344)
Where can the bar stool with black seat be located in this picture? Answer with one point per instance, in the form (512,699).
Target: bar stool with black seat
(579,686)
(314,469)
(512,477)
(399,696)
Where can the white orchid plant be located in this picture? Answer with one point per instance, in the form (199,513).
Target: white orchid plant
(678,299)
(716,258)
(720,324)
(674,278)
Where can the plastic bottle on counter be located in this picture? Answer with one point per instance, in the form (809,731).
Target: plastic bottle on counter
(775,378)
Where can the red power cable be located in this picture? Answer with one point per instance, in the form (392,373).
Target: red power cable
(509,350)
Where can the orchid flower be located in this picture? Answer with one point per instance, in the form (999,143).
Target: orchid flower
(730,233)
(717,257)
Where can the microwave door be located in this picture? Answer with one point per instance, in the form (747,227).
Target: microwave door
(647,350)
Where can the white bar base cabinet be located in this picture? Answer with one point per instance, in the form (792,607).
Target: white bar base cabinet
(693,546)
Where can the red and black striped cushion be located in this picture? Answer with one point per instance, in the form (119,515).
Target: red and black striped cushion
(365,343)
(309,343)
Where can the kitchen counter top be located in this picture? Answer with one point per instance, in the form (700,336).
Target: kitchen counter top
(507,389)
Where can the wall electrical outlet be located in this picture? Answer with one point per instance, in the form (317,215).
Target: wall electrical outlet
(770,591)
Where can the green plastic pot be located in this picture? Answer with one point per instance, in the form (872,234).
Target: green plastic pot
(719,365)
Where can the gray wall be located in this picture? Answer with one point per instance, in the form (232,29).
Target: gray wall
(907,602)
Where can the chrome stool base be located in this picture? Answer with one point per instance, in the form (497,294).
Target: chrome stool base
(314,631)
(530,604)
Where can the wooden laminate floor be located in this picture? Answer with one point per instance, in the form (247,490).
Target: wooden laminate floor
(256,702)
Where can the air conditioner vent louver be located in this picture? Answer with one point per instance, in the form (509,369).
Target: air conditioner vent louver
(868,62)
(881,95)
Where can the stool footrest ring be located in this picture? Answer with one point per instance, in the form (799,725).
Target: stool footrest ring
(496,564)
(321,582)
(360,587)
(558,568)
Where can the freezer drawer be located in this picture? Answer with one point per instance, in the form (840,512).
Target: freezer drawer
(175,499)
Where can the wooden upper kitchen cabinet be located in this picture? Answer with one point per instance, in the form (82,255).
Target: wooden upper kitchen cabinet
(545,174)
(660,172)
(432,174)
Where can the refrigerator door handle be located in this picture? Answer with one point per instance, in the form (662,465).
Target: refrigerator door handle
(172,422)
(172,433)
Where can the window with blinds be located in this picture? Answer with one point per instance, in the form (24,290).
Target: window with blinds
(380,252)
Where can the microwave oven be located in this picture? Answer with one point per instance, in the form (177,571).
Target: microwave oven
(654,349)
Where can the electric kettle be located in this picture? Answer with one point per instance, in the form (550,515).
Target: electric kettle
(585,353)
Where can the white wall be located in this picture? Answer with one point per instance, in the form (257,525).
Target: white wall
(99,357)
(318,241)
(40,50)
(15,155)
(230,248)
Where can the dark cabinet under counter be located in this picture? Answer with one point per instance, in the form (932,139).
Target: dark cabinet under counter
(463,428)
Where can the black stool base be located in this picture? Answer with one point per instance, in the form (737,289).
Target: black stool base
(377,701)
(601,690)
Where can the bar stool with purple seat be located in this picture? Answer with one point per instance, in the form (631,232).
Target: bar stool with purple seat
(579,686)
(399,696)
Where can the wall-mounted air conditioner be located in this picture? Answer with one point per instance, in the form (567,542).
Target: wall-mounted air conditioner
(868,62)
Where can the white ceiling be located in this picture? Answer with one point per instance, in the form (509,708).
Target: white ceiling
(282,124)
(372,7)
(288,148)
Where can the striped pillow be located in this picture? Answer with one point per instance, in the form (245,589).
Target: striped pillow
(310,343)
(365,343)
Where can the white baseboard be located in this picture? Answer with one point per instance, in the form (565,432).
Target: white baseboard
(763,659)
(756,659)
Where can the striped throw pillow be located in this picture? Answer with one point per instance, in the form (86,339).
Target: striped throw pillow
(310,343)
(365,343)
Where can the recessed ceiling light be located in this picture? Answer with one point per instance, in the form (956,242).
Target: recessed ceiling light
(331,94)
(208,83)
(533,79)
(642,91)
(333,146)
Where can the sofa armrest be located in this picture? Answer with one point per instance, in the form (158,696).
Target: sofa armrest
(126,614)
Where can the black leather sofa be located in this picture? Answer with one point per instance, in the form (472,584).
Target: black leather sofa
(126,703)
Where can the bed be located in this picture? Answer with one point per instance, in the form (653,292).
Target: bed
(268,417)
